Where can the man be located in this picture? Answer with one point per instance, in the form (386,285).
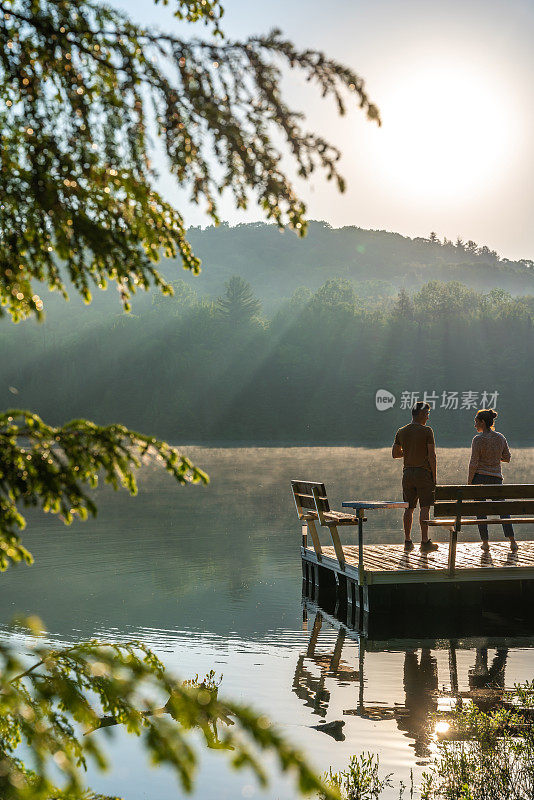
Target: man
(415,444)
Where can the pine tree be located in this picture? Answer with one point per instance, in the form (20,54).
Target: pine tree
(238,302)
(403,307)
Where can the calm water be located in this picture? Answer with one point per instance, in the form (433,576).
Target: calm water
(210,577)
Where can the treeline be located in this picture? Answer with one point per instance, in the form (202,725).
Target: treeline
(192,369)
(377,263)
(276,264)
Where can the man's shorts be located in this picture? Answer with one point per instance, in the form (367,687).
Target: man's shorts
(417,484)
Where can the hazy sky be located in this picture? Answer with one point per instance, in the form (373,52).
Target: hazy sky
(453,81)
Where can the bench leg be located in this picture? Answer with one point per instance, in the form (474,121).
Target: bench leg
(340,555)
(338,649)
(452,550)
(315,539)
(316,630)
(304,532)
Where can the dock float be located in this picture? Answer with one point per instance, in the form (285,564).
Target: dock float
(390,574)
(384,576)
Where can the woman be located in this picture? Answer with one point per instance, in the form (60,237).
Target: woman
(489,448)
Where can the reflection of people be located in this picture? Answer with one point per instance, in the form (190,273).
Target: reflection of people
(488,449)
(484,677)
(415,444)
(420,686)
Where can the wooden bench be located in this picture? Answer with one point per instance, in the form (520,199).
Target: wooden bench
(456,505)
(312,506)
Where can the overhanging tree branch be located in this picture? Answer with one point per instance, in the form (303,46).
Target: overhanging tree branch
(80,86)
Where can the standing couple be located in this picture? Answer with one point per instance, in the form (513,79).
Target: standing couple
(415,444)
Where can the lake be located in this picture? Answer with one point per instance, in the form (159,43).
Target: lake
(210,578)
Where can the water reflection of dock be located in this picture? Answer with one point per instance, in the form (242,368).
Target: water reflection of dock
(312,689)
(430,698)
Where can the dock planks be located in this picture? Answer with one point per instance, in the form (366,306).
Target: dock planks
(389,563)
(468,554)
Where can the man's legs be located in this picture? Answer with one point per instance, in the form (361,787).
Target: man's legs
(407,521)
(409,495)
(425,491)
(424,514)
(417,485)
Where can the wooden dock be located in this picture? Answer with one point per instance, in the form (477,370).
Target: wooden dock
(387,577)
(388,563)
(388,571)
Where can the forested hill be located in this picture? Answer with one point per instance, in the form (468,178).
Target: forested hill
(277,263)
(238,355)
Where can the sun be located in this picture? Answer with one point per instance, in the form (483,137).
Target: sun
(447,133)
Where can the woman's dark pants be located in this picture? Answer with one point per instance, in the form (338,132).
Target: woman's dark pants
(483,529)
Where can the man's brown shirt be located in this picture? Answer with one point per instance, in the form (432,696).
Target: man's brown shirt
(414,440)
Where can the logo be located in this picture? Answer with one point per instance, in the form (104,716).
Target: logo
(384,400)
(450,401)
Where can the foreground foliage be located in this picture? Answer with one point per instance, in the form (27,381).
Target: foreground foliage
(54,467)
(486,756)
(53,701)
(361,780)
(492,757)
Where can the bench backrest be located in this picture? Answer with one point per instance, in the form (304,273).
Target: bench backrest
(304,499)
(494,499)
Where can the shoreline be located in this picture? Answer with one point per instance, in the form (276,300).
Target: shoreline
(245,443)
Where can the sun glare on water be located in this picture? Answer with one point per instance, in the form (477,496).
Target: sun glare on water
(442,727)
(447,134)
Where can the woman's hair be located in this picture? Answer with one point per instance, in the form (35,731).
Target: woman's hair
(487,415)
